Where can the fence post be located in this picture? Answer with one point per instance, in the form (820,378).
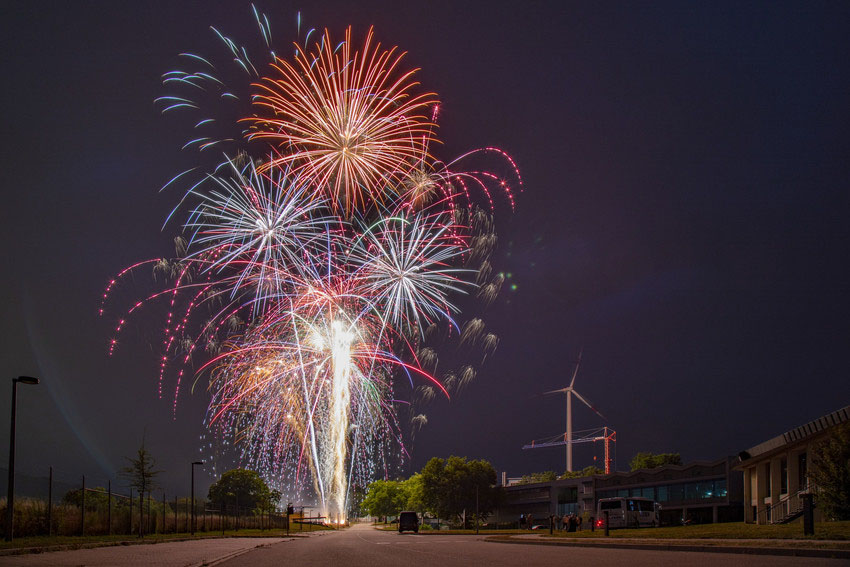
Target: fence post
(83,509)
(141,513)
(50,503)
(109,507)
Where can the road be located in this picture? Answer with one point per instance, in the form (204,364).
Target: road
(364,546)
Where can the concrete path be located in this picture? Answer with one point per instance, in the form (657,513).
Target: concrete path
(206,552)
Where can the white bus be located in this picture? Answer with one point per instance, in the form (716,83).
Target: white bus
(623,512)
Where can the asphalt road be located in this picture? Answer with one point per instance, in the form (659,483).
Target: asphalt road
(362,545)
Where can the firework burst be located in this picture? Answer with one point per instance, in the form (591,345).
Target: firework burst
(314,275)
(345,118)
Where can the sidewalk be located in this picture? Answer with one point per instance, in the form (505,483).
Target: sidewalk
(191,553)
(837,549)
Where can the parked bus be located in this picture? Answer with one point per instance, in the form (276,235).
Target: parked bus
(627,512)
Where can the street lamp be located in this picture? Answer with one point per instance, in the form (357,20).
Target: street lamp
(10,500)
(193,493)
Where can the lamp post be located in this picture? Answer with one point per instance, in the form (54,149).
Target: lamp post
(193,493)
(10,501)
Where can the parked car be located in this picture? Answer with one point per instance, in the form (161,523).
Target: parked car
(408,521)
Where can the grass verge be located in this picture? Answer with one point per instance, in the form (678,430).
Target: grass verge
(733,530)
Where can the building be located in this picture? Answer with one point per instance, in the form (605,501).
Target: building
(703,492)
(776,472)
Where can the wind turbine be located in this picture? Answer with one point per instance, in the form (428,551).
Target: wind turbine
(570,392)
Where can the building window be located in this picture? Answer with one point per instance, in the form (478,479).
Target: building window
(676,492)
(783,476)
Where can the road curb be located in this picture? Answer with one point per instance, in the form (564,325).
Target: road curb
(740,550)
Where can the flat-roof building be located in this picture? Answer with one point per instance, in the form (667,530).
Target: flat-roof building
(776,472)
(703,491)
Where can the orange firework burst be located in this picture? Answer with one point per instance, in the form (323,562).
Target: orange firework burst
(346,119)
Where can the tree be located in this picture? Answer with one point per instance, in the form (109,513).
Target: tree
(242,487)
(651,461)
(415,493)
(586,471)
(830,471)
(140,475)
(450,487)
(385,498)
(545,476)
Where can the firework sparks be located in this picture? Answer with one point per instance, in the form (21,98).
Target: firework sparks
(346,119)
(313,275)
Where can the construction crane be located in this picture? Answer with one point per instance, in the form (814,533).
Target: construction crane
(605,434)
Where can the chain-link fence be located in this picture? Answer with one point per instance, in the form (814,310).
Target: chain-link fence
(99,510)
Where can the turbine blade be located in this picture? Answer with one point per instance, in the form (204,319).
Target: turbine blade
(561,391)
(588,404)
(578,363)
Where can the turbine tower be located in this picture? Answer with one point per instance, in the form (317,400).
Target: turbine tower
(570,392)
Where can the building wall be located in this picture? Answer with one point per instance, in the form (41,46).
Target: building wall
(703,491)
(776,471)
(774,477)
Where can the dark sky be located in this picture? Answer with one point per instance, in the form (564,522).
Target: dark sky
(683,219)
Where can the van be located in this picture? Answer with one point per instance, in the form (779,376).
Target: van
(408,521)
(627,512)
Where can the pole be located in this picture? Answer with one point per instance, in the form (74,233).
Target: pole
(192,466)
(10,499)
(83,509)
(175,515)
(130,528)
(606,522)
(808,515)
(569,431)
(164,529)
(109,507)
(476,508)
(142,520)
(50,503)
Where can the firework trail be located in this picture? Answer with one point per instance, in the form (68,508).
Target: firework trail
(320,260)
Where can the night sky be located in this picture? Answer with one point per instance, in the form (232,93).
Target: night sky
(683,218)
